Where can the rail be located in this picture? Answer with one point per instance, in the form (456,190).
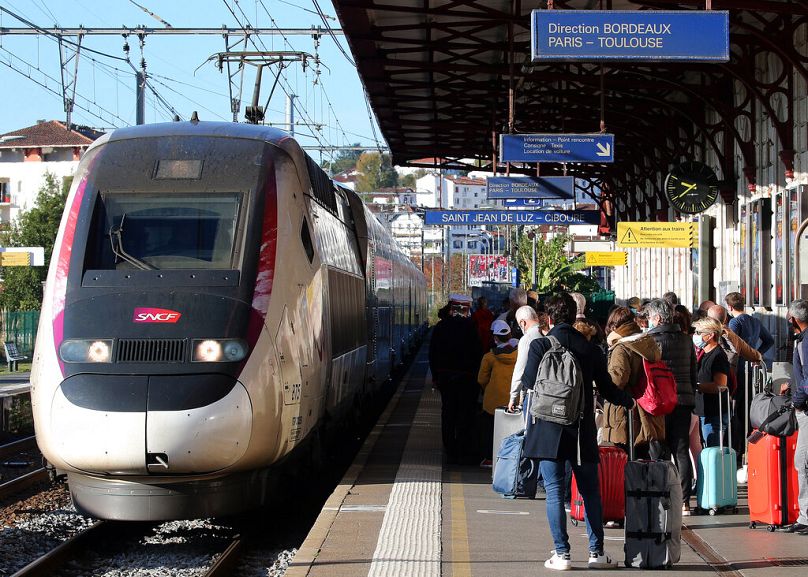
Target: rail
(16,485)
(55,558)
(18,446)
(226,563)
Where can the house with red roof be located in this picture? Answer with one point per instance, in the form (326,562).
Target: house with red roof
(27,154)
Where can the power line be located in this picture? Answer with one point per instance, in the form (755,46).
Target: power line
(10,64)
(152,14)
(46,11)
(302,113)
(330,32)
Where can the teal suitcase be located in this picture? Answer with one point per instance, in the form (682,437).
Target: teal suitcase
(717,485)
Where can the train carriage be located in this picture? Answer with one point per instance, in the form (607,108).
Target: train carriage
(213,300)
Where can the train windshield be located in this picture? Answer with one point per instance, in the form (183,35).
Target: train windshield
(149,231)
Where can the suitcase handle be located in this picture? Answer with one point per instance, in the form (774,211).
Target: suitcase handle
(721,420)
(630,439)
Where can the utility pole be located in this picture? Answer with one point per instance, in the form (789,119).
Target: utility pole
(140,91)
(290,113)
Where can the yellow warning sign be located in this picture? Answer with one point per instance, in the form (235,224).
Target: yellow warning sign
(656,234)
(606,258)
(15,259)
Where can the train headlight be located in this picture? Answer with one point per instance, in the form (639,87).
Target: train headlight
(86,350)
(219,350)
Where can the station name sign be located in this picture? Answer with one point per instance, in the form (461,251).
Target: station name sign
(531,187)
(556,147)
(518,217)
(650,35)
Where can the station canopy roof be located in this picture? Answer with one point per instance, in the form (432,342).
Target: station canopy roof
(441,75)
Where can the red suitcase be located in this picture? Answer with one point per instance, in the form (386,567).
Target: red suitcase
(772,483)
(611,474)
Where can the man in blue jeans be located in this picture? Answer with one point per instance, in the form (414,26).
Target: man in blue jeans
(556,445)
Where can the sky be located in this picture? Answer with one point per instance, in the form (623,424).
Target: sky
(330,108)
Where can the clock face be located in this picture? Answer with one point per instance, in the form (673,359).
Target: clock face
(691,187)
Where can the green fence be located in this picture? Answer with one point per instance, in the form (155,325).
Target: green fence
(20,327)
(600,303)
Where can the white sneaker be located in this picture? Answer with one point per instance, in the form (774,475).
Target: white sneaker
(601,561)
(558,562)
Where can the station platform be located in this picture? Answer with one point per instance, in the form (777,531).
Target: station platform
(400,512)
(14,384)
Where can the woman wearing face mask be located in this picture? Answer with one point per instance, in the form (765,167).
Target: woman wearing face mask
(713,369)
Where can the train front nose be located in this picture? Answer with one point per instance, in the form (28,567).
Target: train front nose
(151,424)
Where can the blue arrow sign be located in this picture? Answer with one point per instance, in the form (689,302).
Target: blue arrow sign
(556,147)
(652,35)
(530,187)
(483,217)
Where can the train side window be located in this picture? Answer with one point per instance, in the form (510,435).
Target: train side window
(305,237)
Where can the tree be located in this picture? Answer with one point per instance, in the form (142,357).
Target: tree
(345,160)
(22,286)
(375,171)
(407,181)
(554,269)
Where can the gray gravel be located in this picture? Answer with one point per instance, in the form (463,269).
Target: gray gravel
(174,549)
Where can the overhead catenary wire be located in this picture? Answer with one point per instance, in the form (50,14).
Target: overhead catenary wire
(302,112)
(324,92)
(43,84)
(45,10)
(170,110)
(331,33)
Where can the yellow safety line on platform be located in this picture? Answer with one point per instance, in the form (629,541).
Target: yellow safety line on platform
(461,563)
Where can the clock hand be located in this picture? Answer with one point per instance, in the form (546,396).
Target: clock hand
(688,188)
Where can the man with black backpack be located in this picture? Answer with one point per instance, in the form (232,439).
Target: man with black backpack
(561,369)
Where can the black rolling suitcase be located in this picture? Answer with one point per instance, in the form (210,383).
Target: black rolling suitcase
(653,526)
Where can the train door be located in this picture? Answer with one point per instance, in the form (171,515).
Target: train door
(289,360)
(801,261)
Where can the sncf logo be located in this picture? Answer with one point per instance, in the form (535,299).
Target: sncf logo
(150,315)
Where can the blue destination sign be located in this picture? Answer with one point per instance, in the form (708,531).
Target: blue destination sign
(535,203)
(482,217)
(655,35)
(531,187)
(556,147)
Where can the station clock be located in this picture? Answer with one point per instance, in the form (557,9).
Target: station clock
(691,187)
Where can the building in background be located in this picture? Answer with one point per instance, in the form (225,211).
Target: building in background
(27,154)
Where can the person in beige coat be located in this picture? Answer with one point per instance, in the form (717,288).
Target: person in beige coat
(628,346)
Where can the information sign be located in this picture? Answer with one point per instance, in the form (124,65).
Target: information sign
(606,258)
(15,259)
(22,256)
(632,35)
(519,217)
(656,234)
(532,187)
(556,147)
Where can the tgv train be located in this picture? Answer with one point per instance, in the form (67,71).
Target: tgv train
(214,305)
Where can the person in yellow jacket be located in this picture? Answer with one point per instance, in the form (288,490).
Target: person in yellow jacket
(496,372)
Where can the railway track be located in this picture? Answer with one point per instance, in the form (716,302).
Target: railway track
(21,483)
(22,479)
(19,446)
(72,551)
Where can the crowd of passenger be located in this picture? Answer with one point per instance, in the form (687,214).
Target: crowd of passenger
(481,360)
